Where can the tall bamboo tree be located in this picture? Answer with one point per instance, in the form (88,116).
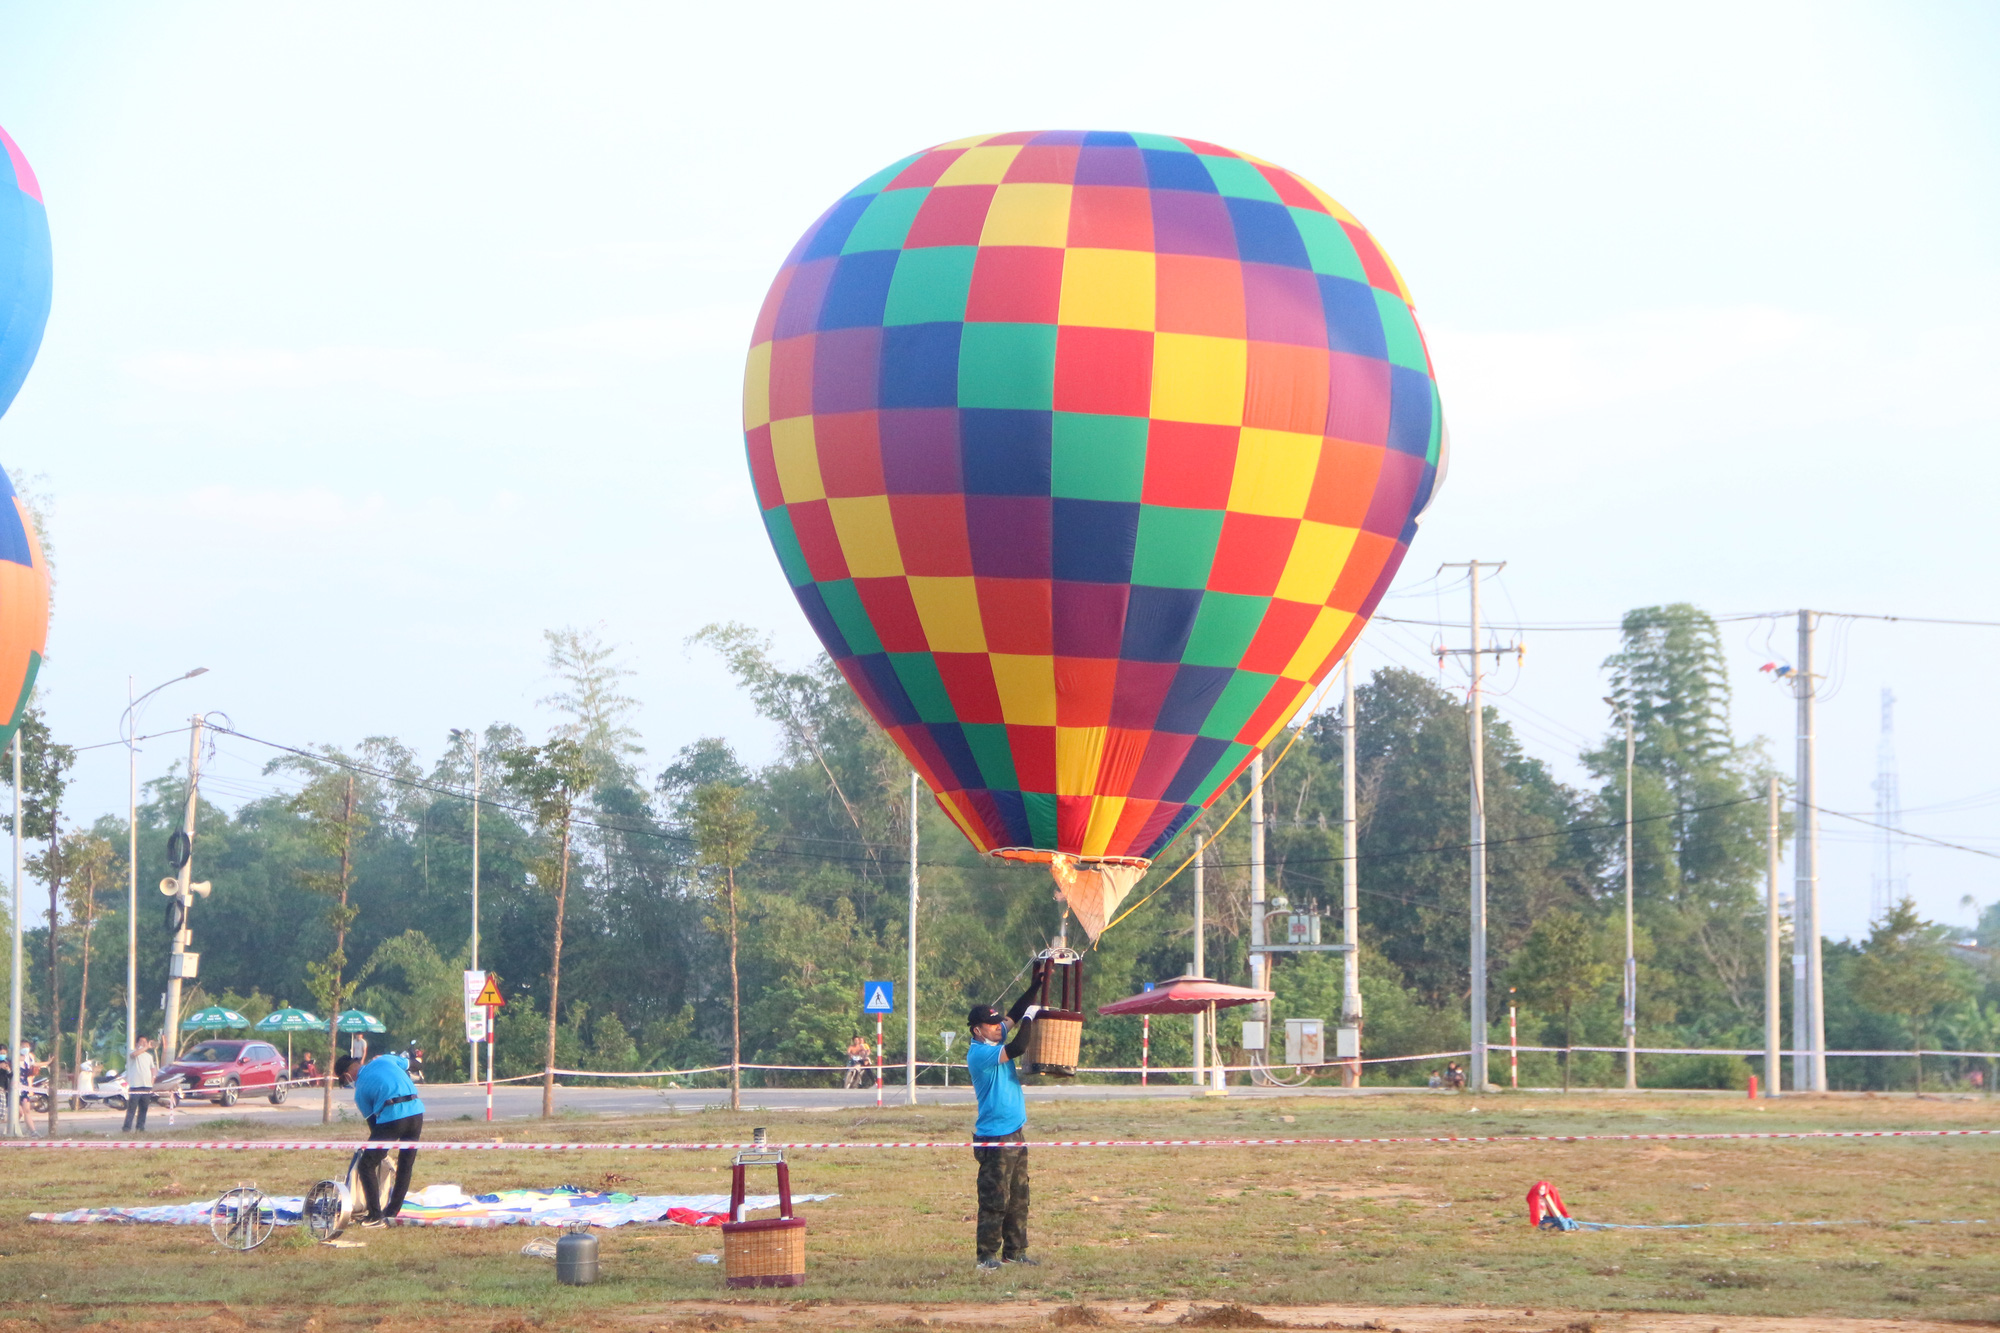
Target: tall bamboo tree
(334,823)
(45,768)
(554,779)
(725,828)
(90,862)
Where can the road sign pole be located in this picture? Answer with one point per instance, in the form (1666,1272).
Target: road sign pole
(1145,1046)
(491,1014)
(878,1060)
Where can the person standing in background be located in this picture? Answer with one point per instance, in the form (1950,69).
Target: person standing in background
(140,1071)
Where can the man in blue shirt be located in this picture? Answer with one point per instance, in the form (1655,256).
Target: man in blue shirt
(387,1100)
(998,1141)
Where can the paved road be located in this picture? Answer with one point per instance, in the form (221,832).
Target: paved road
(515,1103)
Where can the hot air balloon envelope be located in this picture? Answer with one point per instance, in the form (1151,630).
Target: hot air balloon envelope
(25,286)
(1087,455)
(25,269)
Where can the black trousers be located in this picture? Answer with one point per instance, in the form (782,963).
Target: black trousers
(136,1102)
(407,1130)
(1003,1197)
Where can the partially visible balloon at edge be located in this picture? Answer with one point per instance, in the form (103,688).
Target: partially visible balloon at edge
(26,283)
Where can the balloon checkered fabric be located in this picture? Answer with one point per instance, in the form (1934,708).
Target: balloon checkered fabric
(1087,455)
(26,284)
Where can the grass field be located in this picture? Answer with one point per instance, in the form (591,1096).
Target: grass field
(1403,1225)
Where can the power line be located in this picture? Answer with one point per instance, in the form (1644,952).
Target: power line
(1907,833)
(641,830)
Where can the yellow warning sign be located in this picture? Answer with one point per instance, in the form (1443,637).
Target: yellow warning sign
(490,995)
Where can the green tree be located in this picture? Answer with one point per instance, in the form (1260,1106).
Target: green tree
(611,1046)
(1560,966)
(1700,830)
(798,701)
(45,767)
(725,829)
(1412,748)
(428,1008)
(332,824)
(91,863)
(591,693)
(1904,970)
(554,778)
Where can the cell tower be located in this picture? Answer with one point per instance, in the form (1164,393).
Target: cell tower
(1889,883)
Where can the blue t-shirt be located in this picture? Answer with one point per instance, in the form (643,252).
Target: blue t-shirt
(997,1084)
(380,1082)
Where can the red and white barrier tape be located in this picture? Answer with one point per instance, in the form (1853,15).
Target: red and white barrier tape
(348,1145)
(1167,1070)
(1731,1050)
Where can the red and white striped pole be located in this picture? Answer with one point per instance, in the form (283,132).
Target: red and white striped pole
(1145,1045)
(1513,1045)
(490,1012)
(878,1059)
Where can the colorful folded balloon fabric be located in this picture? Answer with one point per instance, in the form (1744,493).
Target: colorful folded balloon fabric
(448,1206)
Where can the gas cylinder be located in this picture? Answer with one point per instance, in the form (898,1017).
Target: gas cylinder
(576,1259)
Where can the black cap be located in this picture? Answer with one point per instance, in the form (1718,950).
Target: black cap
(981,1014)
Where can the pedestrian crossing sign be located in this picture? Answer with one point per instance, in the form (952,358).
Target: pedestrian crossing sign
(878,997)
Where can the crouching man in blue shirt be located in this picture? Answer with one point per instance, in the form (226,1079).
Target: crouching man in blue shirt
(386,1098)
(998,1140)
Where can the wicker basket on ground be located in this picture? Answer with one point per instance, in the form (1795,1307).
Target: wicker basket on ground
(770,1251)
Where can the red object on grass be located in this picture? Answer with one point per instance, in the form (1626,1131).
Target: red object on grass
(1544,1201)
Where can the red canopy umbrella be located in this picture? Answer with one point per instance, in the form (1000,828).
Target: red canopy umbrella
(1186,995)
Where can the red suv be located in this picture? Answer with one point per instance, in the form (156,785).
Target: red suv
(222,1070)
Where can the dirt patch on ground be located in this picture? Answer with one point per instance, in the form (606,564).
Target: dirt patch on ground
(1231,1315)
(827,1316)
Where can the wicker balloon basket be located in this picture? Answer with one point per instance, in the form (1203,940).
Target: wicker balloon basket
(1054,1043)
(1055,1040)
(771,1251)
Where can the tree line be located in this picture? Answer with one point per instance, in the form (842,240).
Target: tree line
(677,917)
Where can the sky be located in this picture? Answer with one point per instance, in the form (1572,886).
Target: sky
(386,337)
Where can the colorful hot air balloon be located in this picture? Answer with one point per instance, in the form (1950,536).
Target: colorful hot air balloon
(1087,455)
(25,285)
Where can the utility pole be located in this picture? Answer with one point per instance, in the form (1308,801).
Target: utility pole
(910,1005)
(14,973)
(1476,727)
(1772,1075)
(132,875)
(1631,959)
(1260,962)
(131,726)
(182,965)
(1350,878)
(473,737)
(1200,958)
(1805,894)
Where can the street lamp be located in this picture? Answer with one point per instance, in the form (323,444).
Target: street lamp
(128,727)
(1631,963)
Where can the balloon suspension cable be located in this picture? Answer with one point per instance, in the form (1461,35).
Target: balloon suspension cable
(1010,985)
(1269,770)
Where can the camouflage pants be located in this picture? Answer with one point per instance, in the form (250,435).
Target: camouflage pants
(1003,1198)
